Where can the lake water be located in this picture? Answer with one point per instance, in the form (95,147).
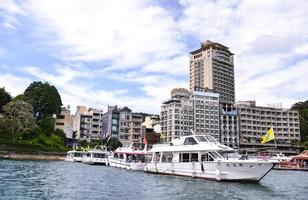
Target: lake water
(65,180)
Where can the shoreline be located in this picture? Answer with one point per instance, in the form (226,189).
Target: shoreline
(33,156)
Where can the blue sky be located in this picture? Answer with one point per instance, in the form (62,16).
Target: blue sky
(132,53)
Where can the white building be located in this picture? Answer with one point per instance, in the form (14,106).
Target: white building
(185,111)
(88,123)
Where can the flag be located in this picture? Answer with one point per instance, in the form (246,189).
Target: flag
(268,136)
(162,136)
(145,141)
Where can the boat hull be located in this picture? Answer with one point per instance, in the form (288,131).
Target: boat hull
(95,161)
(135,166)
(220,171)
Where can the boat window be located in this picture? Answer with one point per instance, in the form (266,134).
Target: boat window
(157,156)
(215,155)
(121,156)
(201,139)
(194,157)
(78,155)
(115,155)
(184,157)
(190,141)
(88,155)
(167,157)
(210,138)
(207,157)
(229,154)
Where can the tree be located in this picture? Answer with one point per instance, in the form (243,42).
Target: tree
(5,97)
(44,98)
(113,143)
(18,117)
(302,107)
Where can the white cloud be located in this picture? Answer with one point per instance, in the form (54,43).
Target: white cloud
(15,85)
(156,88)
(8,11)
(142,43)
(128,33)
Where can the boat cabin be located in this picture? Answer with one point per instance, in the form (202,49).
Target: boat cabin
(194,148)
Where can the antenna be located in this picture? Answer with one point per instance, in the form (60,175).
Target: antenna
(192,132)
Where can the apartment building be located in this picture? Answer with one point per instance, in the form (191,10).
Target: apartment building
(212,67)
(88,123)
(65,122)
(177,115)
(123,124)
(206,112)
(229,125)
(256,120)
(185,111)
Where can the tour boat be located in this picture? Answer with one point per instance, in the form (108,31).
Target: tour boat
(97,156)
(203,157)
(299,162)
(131,158)
(279,158)
(74,156)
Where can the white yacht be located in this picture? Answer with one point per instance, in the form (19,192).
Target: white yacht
(97,156)
(74,156)
(203,157)
(131,158)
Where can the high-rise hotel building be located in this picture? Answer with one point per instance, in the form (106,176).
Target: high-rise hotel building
(211,67)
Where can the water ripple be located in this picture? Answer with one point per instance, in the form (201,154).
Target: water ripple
(65,180)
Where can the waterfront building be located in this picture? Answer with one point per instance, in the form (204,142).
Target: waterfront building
(122,124)
(186,111)
(65,121)
(177,114)
(229,125)
(256,120)
(212,67)
(205,112)
(110,122)
(88,123)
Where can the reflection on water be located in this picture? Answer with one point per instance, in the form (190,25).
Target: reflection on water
(65,180)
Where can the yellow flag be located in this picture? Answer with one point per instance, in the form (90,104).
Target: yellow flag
(162,136)
(268,136)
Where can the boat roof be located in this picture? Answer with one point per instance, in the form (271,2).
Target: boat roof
(134,148)
(182,144)
(75,151)
(302,156)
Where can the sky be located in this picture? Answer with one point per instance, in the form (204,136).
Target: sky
(133,52)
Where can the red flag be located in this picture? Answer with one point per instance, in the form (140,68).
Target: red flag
(145,140)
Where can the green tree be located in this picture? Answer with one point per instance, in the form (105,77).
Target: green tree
(113,143)
(5,97)
(302,107)
(44,98)
(46,125)
(18,117)
(20,97)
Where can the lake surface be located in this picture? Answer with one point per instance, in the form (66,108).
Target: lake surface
(66,180)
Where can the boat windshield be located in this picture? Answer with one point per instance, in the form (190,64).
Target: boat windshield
(77,154)
(201,138)
(229,154)
(138,146)
(210,138)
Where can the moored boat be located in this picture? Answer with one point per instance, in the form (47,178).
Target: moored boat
(203,157)
(299,162)
(131,158)
(74,156)
(97,156)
